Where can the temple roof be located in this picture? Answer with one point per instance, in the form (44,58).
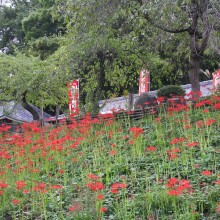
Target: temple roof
(15,112)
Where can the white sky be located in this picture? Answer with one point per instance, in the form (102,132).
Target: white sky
(5,2)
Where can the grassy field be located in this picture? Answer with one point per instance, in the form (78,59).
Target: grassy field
(165,166)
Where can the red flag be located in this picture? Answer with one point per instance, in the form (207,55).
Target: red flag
(73,93)
(216,79)
(144,81)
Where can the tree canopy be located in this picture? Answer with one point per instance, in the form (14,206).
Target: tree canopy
(105,44)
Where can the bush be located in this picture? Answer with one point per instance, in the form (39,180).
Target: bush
(171,91)
(146,100)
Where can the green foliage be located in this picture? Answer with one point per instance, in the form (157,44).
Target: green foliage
(39,23)
(170,91)
(42,81)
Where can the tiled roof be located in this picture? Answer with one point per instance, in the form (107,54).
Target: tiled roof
(15,111)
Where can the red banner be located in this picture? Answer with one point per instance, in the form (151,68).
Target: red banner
(216,79)
(73,93)
(144,81)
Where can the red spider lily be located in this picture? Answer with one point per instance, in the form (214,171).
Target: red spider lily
(151,148)
(206,173)
(4,127)
(100,197)
(185,184)
(113,152)
(93,176)
(25,191)
(187,126)
(136,131)
(205,110)
(176,150)
(113,145)
(110,133)
(216,98)
(20,184)
(158,120)
(119,186)
(210,121)
(192,94)
(177,140)
(56,187)
(192,144)
(95,186)
(103,209)
(75,207)
(60,171)
(116,186)
(217,182)
(174,192)
(172,182)
(173,156)
(172,153)
(203,103)
(199,124)
(160,100)
(3,185)
(40,188)
(15,201)
(216,106)
(114,191)
(131,142)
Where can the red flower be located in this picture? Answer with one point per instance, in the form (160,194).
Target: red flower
(136,131)
(15,201)
(95,186)
(216,106)
(177,140)
(93,176)
(20,184)
(103,209)
(3,185)
(25,191)
(193,144)
(100,197)
(114,191)
(206,173)
(217,182)
(113,152)
(151,148)
(210,121)
(56,187)
(172,182)
(174,192)
(131,142)
(119,186)
(75,207)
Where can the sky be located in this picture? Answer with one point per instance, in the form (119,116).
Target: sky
(5,2)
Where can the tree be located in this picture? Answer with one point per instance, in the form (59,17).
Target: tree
(197,18)
(11,32)
(30,80)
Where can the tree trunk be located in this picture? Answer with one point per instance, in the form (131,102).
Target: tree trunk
(57,112)
(29,108)
(194,66)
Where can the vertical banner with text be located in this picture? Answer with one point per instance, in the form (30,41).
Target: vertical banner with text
(144,81)
(73,93)
(216,79)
